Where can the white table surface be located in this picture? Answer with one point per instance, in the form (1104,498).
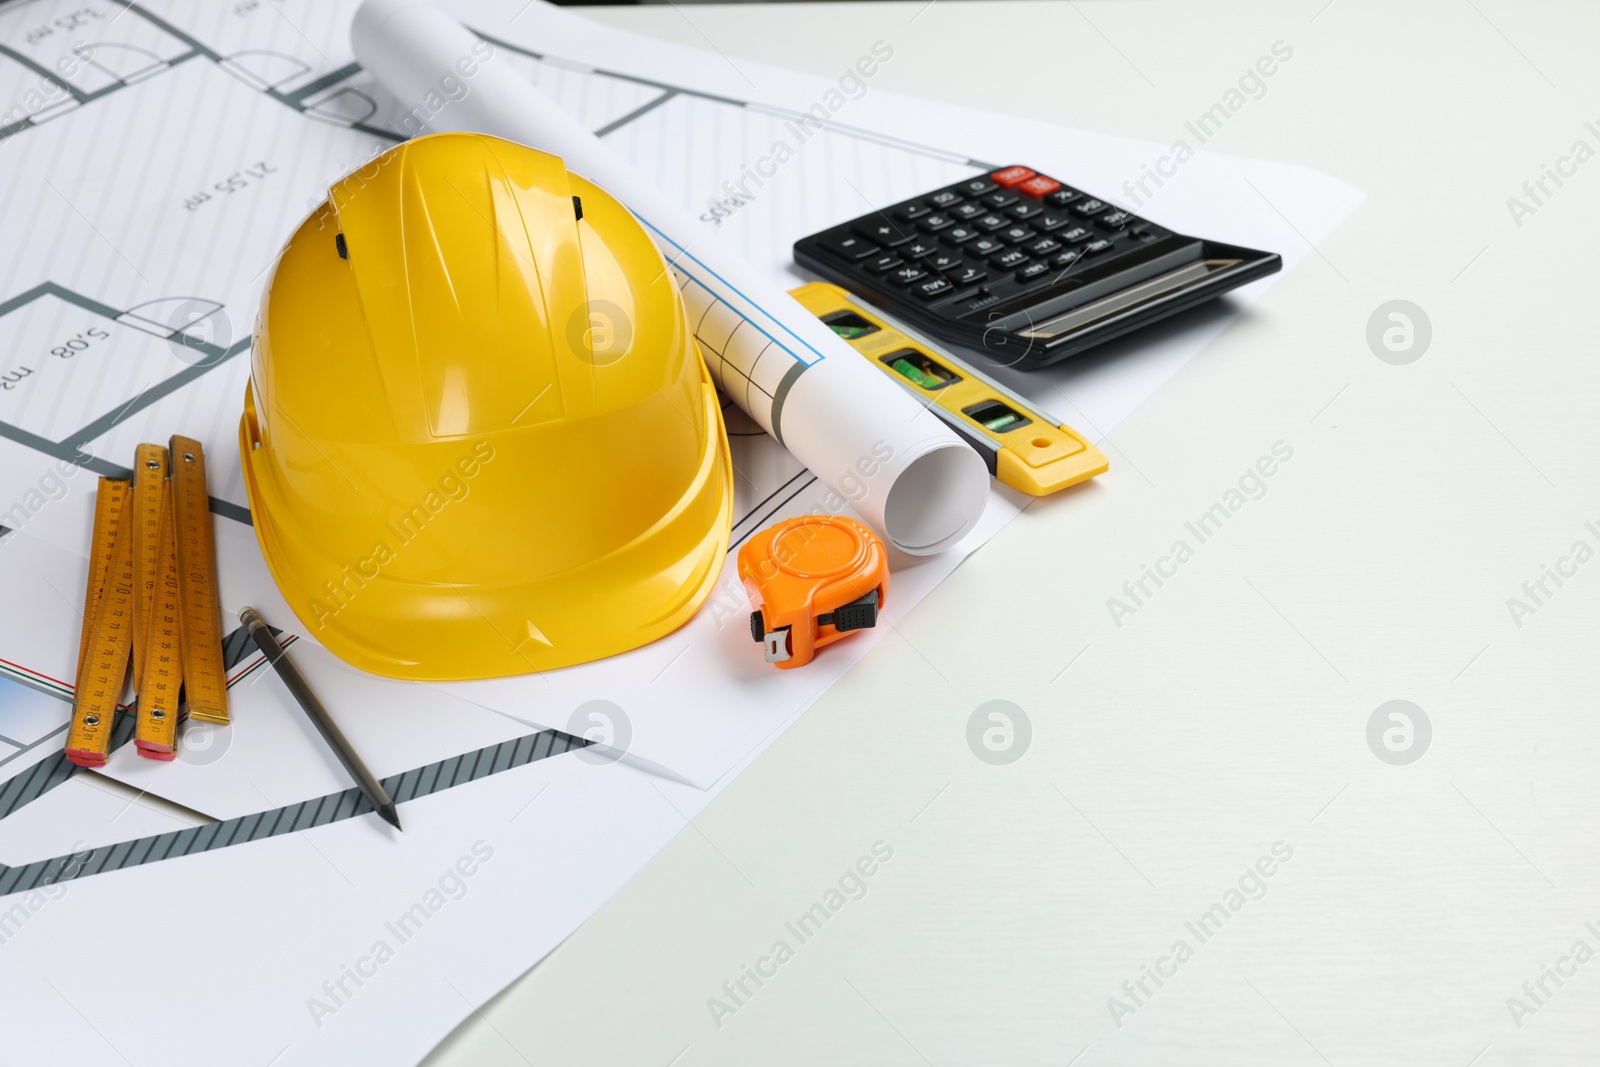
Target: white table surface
(1231,711)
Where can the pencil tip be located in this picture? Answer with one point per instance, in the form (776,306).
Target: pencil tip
(390,816)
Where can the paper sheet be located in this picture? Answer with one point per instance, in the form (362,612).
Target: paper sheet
(738,700)
(143,197)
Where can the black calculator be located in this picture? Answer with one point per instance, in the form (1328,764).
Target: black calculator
(1024,268)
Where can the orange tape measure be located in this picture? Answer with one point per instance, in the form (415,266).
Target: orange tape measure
(812,580)
(152,592)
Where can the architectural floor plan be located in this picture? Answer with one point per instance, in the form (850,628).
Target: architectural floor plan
(168,149)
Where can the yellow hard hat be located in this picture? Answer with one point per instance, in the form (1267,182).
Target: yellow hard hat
(479,438)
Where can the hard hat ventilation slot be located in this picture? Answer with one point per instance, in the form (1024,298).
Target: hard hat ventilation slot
(577,208)
(340,246)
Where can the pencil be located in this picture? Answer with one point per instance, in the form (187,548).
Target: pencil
(371,788)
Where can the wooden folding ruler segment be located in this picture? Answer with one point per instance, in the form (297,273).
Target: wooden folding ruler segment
(152,591)
(156,734)
(149,496)
(107,631)
(205,680)
(107,512)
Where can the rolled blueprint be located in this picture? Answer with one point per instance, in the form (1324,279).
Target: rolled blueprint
(871,442)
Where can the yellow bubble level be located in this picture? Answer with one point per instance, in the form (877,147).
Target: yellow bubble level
(1023,448)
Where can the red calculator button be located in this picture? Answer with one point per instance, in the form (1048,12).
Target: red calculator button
(1011,176)
(1039,185)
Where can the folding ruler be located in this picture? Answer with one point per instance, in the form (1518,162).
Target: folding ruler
(151,596)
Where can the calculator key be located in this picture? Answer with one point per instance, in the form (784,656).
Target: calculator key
(959,234)
(1000,198)
(907,274)
(885,233)
(1032,271)
(1074,235)
(1062,197)
(1067,258)
(1146,237)
(1024,210)
(881,263)
(1044,246)
(932,287)
(935,223)
(968,209)
(968,276)
(1038,185)
(1015,235)
(1049,221)
(975,187)
(990,223)
(1116,219)
(945,263)
(1091,206)
(849,245)
(912,211)
(985,246)
(1098,245)
(1011,176)
(920,249)
(1011,257)
(944,198)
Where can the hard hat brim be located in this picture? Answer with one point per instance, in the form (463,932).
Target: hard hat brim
(440,631)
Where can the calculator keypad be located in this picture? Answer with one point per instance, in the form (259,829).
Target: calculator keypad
(1003,262)
(1007,232)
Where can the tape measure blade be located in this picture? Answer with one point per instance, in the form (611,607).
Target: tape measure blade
(108,502)
(205,680)
(104,665)
(149,496)
(157,732)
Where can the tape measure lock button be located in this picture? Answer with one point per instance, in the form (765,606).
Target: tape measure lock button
(812,580)
(857,615)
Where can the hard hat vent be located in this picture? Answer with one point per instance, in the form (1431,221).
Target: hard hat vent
(451,274)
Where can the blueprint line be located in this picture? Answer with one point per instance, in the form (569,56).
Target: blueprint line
(44,72)
(344,73)
(682,90)
(636,113)
(30,747)
(111,419)
(292,818)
